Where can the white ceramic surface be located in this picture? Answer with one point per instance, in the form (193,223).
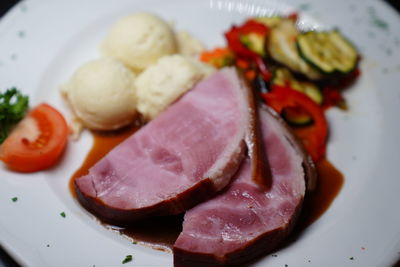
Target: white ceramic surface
(42,42)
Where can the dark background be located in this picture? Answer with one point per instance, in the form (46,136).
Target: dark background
(5,5)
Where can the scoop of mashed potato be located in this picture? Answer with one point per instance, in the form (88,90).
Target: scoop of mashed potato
(164,82)
(139,40)
(188,45)
(102,94)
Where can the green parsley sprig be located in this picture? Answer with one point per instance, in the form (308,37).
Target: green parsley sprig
(13,106)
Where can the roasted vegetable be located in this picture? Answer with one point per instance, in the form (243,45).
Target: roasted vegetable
(283,77)
(239,38)
(296,116)
(219,57)
(270,22)
(314,135)
(255,42)
(281,46)
(329,52)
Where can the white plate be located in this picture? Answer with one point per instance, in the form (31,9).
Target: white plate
(43,42)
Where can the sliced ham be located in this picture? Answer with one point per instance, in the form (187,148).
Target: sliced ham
(246,220)
(260,170)
(179,159)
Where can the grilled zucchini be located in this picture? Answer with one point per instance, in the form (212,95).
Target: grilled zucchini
(329,52)
(283,77)
(270,22)
(282,48)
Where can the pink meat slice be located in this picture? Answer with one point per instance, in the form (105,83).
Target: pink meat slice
(177,160)
(246,220)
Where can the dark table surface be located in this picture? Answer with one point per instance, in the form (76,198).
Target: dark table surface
(5,5)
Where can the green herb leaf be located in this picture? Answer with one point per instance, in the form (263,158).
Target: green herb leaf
(13,106)
(351,258)
(127,259)
(14,199)
(63,214)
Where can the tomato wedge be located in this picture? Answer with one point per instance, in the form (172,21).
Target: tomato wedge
(37,142)
(313,136)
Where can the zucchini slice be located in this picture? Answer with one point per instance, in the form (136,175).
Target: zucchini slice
(283,77)
(296,117)
(281,46)
(269,21)
(329,52)
(255,42)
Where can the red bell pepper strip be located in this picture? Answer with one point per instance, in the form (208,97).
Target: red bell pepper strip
(244,54)
(314,136)
(332,97)
(236,45)
(333,94)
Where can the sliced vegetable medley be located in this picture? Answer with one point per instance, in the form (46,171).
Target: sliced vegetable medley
(298,74)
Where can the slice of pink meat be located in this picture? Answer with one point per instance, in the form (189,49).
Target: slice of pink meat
(179,159)
(246,220)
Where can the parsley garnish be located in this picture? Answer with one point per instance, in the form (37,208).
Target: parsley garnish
(127,259)
(63,214)
(13,106)
(14,199)
(351,258)
(377,21)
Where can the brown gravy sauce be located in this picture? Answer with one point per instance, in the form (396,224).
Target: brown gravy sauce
(161,232)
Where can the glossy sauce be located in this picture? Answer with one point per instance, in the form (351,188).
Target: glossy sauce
(329,183)
(102,143)
(161,232)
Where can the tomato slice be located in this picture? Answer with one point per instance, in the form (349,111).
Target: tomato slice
(37,142)
(313,136)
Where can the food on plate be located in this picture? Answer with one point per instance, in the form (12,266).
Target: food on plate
(102,94)
(283,77)
(165,81)
(13,106)
(139,39)
(139,44)
(314,134)
(182,157)
(37,142)
(282,47)
(328,52)
(273,54)
(212,149)
(187,45)
(218,57)
(246,220)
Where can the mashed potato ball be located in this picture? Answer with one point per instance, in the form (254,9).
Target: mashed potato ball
(138,40)
(188,45)
(164,82)
(102,94)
